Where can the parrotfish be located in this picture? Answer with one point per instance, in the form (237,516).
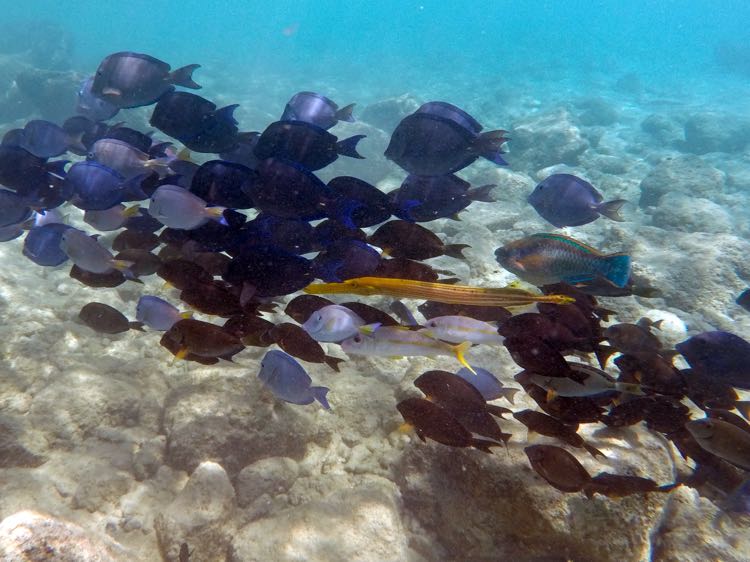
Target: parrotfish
(457,329)
(544,259)
(289,381)
(567,200)
(395,341)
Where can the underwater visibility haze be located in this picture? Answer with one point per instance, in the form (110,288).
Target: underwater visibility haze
(375,281)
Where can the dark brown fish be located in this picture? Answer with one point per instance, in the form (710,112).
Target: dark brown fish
(252,330)
(619,486)
(708,391)
(108,280)
(174,347)
(212,298)
(103,318)
(729,417)
(433,422)
(170,252)
(402,239)
(144,262)
(628,413)
(567,409)
(370,314)
(185,552)
(651,371)
(666,415)
(558,467)
(301,307)
(215,263)
(537,422)
(202,339)
(466,403)
(135,240)
(402,268)
(182,273)
(298,343)
(535,355)
(432,309)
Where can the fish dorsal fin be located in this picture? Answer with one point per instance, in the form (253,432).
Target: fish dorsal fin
(570,241)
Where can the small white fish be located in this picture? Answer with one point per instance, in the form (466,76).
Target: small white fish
(396,341)
(333,323)
(126,159)
(457,329)
(176,207)
(110,219)
(89,255)
(597,381)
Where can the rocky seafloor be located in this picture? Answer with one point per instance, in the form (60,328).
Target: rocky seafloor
(109,450)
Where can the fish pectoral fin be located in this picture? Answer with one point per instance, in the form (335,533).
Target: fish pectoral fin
(181,353)
(551,395)
(405,427)
(111,91)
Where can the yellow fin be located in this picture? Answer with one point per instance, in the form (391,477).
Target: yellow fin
(369,329)
(131,211)
(185,315)
(459,350)
(551,395)
(122,265)
(405,427)
(181,353)
(167,285)
(215,212)
(184,155)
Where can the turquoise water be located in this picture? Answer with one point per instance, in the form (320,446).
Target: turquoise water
(650,101)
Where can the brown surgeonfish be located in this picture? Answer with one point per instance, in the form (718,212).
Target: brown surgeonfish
(723,439)
(298,343)
(464,401)
(558,467)
(200,338)
(105,319)
(402,239)
(537,422)
(433,422)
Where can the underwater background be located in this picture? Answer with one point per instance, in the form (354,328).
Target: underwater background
(113,450)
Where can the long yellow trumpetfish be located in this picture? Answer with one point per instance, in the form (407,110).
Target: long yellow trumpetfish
(440,292)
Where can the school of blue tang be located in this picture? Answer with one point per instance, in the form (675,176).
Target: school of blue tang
(255,223)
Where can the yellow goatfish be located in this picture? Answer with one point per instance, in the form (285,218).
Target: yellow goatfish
(440,292)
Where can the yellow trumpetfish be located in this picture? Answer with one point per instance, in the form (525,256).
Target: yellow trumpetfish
(440,292)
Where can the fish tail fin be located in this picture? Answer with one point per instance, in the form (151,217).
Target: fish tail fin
(217,214)
(122,265)
(333,362)
(611,209)
(460,350)
(319,393)
(603,353)
(484,444)
(593,451)
(618,269)
(510,394)
(489,145)
(345,113)
(498,411)
(187,314)
(629,388)
(227,113)
(184,155)
(136,326)
(183,76)
(131,211)
(158,165)
(348,147)
(455,250)
(743,407)
(482,193)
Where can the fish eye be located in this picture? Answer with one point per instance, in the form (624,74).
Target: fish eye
(432,324)
(357,339)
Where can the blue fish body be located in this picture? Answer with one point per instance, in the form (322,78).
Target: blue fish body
(545,259)
(42,244)
(156,313)
(719,354)
(567,200)
(484,381)
(289,381)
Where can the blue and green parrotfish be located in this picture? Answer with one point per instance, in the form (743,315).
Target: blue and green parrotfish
(544,259)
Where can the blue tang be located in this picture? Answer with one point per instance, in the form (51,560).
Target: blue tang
(567,200)
(289,381)
(42,244)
